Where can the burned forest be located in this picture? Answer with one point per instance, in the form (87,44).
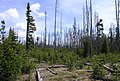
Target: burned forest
(59,40)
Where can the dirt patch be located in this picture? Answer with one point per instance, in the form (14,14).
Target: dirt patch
(63,74)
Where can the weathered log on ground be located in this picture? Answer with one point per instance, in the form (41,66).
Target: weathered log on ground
(55,73)
(108,69)
(112,71)
(88,64)
(58,66)
(38,75)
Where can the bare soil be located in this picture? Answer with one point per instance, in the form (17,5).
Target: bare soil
(63,74)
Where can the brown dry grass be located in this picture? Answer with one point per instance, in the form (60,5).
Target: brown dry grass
(63,75)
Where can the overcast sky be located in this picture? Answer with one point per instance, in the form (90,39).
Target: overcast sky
(14,13)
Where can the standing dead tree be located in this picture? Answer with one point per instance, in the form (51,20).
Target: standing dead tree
(90,28)
(87,18)
(45,38)
(74,33)
(55,23)
(84,25)
(49,40)
(61,30)
(117,5)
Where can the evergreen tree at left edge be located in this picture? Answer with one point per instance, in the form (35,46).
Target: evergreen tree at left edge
(10,61)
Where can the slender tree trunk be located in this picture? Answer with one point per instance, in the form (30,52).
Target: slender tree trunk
(55,24)
(90,28)
(45,29)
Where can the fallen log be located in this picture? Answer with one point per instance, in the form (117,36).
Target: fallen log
(58,66)
(88,64)
(38,75)
(55,73)
(108,69)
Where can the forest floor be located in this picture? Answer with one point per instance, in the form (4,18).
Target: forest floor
(63,74)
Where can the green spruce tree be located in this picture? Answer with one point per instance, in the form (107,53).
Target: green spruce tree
(104,48)
(30,30)
(2,30)
(29,36)
(10,64)
(86,44)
